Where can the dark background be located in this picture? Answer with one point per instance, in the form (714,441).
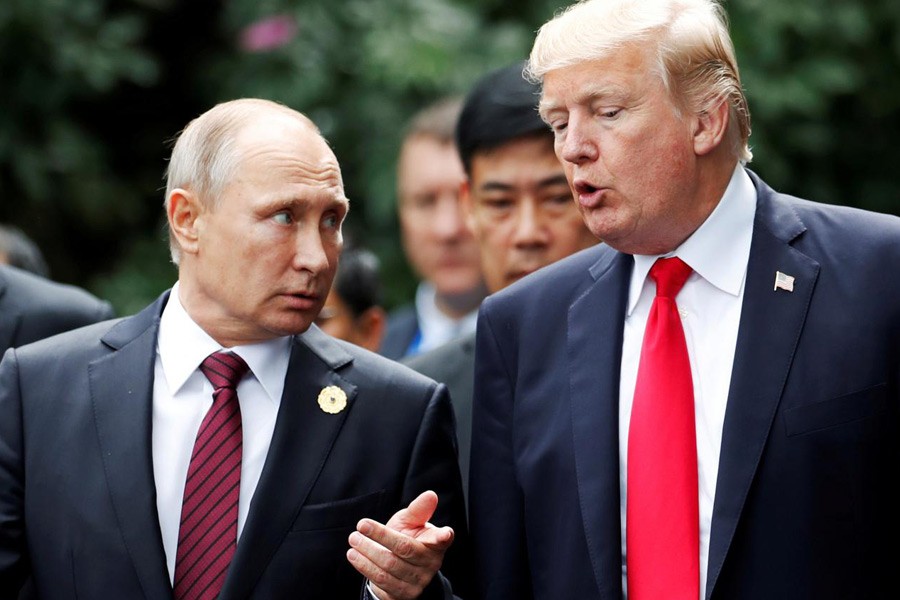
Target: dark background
(92,93)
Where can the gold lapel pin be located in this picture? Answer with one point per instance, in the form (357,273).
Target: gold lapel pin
(332,399)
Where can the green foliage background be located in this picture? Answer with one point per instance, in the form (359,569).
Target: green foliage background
(94,90)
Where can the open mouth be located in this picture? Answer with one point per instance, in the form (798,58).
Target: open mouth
(583,188)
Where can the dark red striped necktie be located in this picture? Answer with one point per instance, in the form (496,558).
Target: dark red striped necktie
(207,535)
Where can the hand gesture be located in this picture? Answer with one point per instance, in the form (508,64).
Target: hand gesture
(401,558)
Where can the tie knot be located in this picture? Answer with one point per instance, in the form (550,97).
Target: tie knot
(669,275)
(224,369)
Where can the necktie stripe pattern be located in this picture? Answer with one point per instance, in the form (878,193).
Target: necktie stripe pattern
(663,519)
(207,536)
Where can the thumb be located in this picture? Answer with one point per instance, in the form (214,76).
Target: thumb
(419,511)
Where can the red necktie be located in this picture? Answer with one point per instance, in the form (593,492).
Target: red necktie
(208,533)
(662,521)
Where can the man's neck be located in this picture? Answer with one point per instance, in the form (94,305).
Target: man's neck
(457,306)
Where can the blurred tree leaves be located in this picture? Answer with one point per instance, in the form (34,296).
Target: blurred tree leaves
(93,89)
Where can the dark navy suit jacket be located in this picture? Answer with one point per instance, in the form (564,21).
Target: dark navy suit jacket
(77,496)
(807,497)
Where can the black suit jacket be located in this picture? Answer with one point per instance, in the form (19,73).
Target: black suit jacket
(806,501)
(402,329)
(32,308)
(454,365)
(77,497)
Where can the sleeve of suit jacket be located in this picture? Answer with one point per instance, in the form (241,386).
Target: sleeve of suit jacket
(496,508)
(13,558)
(434,466)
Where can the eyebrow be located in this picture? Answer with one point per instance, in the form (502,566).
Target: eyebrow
(496,186)
(586,96)
(303,202)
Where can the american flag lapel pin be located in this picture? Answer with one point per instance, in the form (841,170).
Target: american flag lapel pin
(785,282)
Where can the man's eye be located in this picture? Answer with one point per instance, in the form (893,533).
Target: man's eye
(498,203)
(283,218)
(423,202)
(562,199)
(331,222)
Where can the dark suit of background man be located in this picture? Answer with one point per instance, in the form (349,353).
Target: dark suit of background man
(20,251)
(32,308)
(97,426)
(519,207)
(790,320)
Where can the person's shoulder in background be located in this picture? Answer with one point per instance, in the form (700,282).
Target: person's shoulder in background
(32,307)
(402,328)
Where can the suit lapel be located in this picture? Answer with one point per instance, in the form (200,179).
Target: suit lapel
(9,319)
(594,361)
(121,386)
(303,437)
(771,322)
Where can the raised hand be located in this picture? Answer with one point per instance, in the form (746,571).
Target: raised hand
(402,557)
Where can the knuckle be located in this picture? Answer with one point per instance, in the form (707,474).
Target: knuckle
(379,577)
(391,563)
(404,548)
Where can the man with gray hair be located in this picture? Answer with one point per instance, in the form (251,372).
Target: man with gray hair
(218,444)
(706,405)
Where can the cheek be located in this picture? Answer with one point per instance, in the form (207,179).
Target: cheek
(496,238)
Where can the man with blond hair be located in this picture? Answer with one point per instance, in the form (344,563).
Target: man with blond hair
(706,405)
(217,444)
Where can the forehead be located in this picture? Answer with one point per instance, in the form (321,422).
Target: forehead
(427,162)
(622,74)
(421,151)
(523,160)
(279,150)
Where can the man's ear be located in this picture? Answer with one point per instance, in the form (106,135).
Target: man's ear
(710,127)
(184,210)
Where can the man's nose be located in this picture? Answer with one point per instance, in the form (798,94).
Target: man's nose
(529,227)
(576,144)
(311,254)
(448,218)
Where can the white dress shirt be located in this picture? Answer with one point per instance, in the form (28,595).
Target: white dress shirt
(181,397)
(710,307)
(436,328)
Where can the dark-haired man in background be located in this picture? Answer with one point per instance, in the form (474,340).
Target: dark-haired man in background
(31,306)
(353,310)
(518,206)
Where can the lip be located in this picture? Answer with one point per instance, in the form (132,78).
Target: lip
(302,301)
(520,273)
(588,195)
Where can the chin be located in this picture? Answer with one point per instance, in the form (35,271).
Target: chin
(290,327)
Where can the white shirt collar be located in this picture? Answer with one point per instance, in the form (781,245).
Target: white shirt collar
(720,248)
(182,345)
